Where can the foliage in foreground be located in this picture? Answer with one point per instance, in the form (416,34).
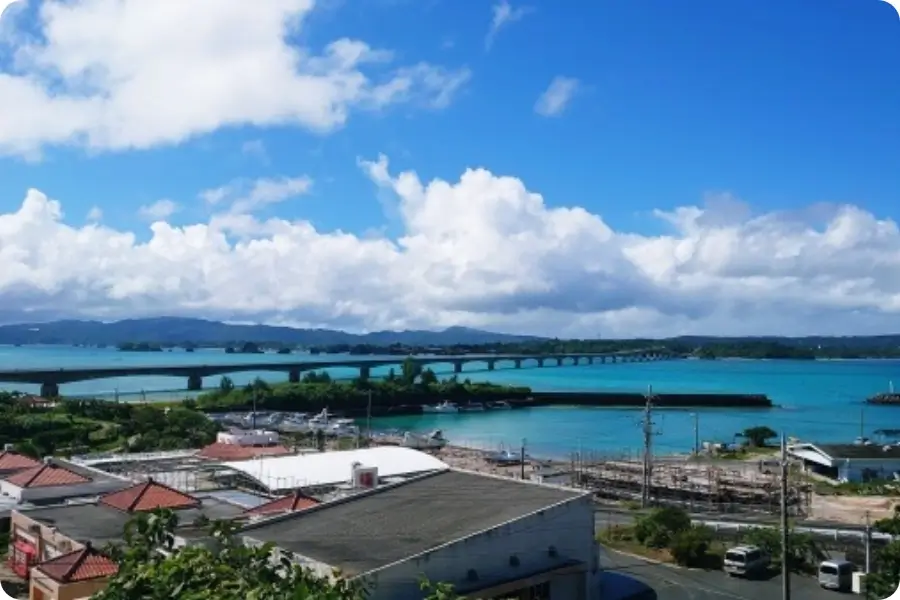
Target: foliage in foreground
(224,569)
(882,582)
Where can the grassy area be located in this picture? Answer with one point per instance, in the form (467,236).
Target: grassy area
(868,488)
(748,453)
(623,538)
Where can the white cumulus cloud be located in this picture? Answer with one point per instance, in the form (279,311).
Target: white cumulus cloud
(482,251)
(504,14)
(161,209)
(133,74)
(557,96)
(249,196)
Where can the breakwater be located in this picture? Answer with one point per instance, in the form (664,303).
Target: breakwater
(412,404)
(629,399)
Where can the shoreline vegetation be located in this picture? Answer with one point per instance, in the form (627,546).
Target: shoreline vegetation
(410,388)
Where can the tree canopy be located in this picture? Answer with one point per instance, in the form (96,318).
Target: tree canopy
(758,436)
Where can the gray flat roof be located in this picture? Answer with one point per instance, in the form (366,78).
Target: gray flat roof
(101,524)
(860,451)
(83,522)
(370,531)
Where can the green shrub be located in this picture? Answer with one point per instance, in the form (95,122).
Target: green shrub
(689,547)
(657,529)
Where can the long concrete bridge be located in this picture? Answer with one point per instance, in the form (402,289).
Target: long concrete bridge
(51,379)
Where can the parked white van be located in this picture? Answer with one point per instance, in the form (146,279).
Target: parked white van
(746,561)
(836,575)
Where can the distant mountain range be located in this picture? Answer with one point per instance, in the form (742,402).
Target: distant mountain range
(175,330)
(170,331)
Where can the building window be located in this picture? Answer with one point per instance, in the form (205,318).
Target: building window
(540,591)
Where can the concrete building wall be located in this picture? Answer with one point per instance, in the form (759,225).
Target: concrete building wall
(44,588)
(568,527)
(856,469)
(48,542)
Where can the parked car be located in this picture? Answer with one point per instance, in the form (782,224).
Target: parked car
(746,561)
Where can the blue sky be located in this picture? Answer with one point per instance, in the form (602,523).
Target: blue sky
(785,106)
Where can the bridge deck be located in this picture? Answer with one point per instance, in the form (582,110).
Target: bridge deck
(74,374)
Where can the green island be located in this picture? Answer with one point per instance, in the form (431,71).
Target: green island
(703,348)
(317,391)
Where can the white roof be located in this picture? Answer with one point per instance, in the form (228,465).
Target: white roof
(331,468)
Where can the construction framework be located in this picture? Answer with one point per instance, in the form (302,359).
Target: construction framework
(741,487)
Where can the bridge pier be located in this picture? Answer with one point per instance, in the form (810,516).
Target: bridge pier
(195,383)
(294,376)
(540,362)
(457,366)
(590,360)
(364,373)
(518,363)
(49,390)
(491,364)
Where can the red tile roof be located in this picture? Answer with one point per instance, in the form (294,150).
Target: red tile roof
(220,451)
(46,475)
(81,565)
(294,502)
(13,461)
(148,496)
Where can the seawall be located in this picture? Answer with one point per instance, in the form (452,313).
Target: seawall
(412,404)
(660,400)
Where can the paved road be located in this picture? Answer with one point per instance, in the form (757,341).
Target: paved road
(609,517)
(671,583)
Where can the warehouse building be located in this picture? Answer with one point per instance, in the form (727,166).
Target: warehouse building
(488,536)
(322,470)
(849,462)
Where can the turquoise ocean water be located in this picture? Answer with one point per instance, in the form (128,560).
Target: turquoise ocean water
(817,400)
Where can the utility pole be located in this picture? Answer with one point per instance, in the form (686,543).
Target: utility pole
(862,423)
(785,538)
(369,419)
(868,542)
(253,414)
(696,434)
(522,458)
(647,470)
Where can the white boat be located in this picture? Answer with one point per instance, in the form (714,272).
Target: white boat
(505,457)
(443,407)
(319,422)
(434,440)
(342,428)
(252,419)
(500,405)
(472,407)
(293,425)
